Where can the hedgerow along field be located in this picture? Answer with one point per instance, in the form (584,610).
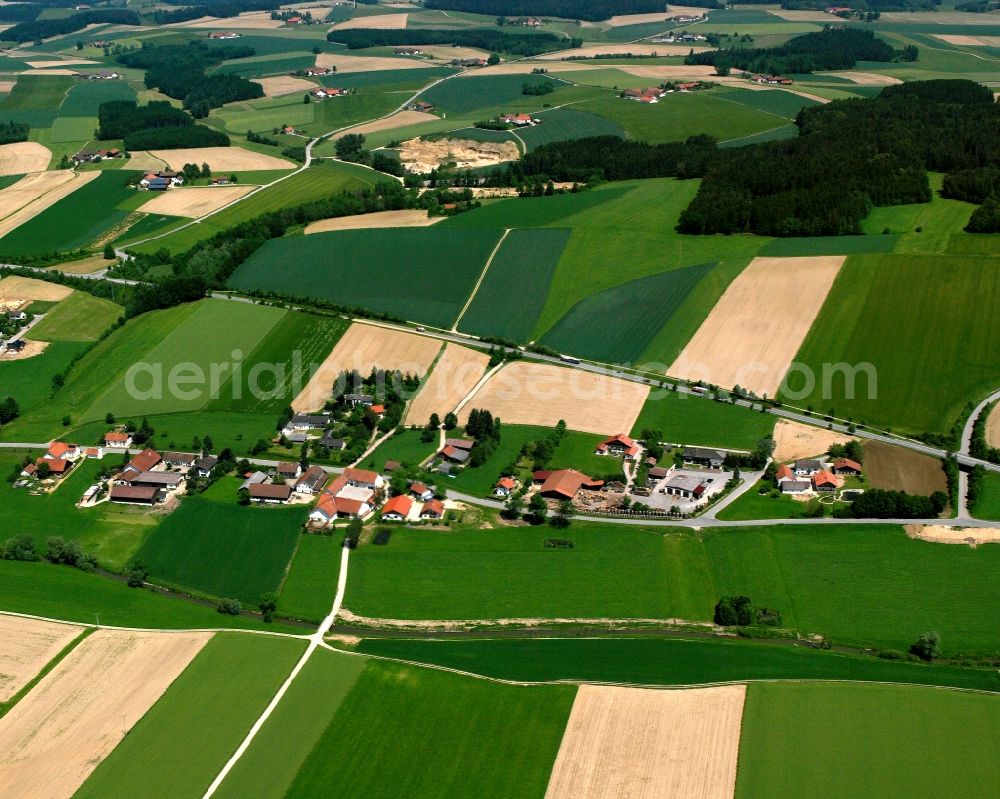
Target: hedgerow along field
(665,660)
(512,294)
(76,220)
(896,587)
(214,546)
(445,719)
(180,745)
(912,317)
(365,268)
(857,739)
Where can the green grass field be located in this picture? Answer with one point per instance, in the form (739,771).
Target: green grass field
(179,746)
(632,236)
(85,98)
(62,592)
(677,116)
(35,99)
(80,317)
(73,129)
(988,505)
(664,660)
(534,212)
(311,582)
(285,742)
(862,585)
(190,337)
(857,740)
(29,380)
(910,317)
(468,94)
(511,296)
(112,532)
(74,221)
(404,447)
(771,101)
(363,268)
(561,124)
(686,419)
(454,736)
(618,325)
(214,546)
(753,505)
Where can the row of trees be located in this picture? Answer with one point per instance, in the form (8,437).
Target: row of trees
(814,186)
(590,10)
(522,44)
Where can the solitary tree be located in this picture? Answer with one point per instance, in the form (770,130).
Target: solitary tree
(268,605)
(927,647)
(450,421)
(563,515)
(109,252)
(538,508)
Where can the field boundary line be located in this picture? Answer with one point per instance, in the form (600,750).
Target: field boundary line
(653,686)
(315,640)
(482,276)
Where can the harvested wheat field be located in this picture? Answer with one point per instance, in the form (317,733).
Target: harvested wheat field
(26,645)
(58,734)
(993,427)
(400,119)
(969,41)
(196,201)
(15,287)
(542,394)
(378,219)
(363,348)
(23,157)
(900,469)
(634,743)
(33,193)
(284,84)
(696,71)
(61,62)
(361,63)
(85,266)
(423,156)
(455,375)
(794,440)
(752,334)
(220,159)
(377,22)
(939,534)
(864,78)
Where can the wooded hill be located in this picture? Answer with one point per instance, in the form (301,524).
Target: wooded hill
(590,10)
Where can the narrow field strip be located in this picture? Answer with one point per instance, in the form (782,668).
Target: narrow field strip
(634,742)
(26,645)
(482,276)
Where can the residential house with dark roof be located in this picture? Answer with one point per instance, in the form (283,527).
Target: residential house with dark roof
(706,458)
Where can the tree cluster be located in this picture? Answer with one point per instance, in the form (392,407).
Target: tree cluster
(485,431)
(20,12)
(118,118)
(172,291)
(179,71)
(590,10)
(831,48)
(69,553)
(814,186)
(522,44)
(44,28)
(538,89)
(20,547)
